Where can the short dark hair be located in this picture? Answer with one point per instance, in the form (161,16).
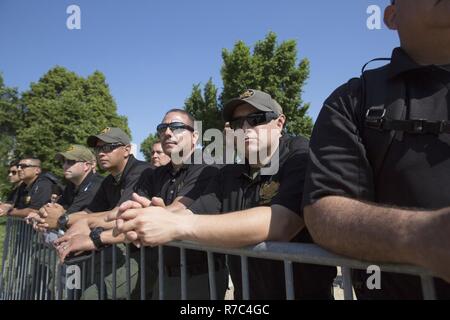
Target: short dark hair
(34,159)
(14,163)
(187,114)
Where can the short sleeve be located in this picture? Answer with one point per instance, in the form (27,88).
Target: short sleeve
(144,186)
(84,198)
(292,179)
(338,165)
(130,182)
(211,199)
(41,194)
(196,181)
(100,201)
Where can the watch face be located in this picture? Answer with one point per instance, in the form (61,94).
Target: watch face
(62,221)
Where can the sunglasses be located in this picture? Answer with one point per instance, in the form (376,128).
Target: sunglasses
(24,166)
(161,128)
(71,162)
(107,148)
(12,172)
(253,119)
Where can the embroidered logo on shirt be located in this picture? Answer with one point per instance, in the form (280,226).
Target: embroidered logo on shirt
(267,191)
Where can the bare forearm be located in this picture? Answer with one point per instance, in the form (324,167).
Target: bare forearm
(94,219)
(99,220)
(107,237)
(180,204)
(242,228)
(365,231)
(22,213)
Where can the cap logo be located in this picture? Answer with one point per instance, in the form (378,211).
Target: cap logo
(71,148)
(246,94)
(106,130)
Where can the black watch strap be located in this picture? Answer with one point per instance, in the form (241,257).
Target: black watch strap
(63,220)
(95,237)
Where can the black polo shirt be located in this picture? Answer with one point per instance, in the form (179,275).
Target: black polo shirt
(112,193)
(11,198)
(75,199)
(165,182)
(238,188)
(36,194)
(415,169)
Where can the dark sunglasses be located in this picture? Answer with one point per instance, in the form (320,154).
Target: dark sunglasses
(71,162)
(161,128)
(12,172)
(253,119)
(24,166)
(107,148)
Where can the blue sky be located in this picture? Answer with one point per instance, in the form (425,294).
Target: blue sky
(153,51)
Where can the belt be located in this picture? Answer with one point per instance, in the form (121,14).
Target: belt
(193,269)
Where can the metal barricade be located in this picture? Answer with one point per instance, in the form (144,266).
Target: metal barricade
(30,268)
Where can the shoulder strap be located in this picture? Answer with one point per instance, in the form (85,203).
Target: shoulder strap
(382,97)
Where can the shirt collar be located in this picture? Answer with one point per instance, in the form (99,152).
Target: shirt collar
(28,187)
(85,181)
(118,178)
(172,171)
(283,153)
(401,62)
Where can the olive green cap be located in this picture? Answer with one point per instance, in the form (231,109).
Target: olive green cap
(76,152)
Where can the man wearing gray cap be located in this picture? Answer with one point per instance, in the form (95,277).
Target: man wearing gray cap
(112,148)
(256,206)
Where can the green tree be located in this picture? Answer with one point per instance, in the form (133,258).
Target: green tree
(10,120)
(205,107)
(146,146)
(63,108)
(272,68)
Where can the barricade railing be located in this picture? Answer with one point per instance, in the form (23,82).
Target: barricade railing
(31,270)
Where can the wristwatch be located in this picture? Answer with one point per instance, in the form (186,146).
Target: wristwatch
(95,237)
(63,220)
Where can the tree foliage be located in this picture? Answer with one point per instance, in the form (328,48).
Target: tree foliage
(63,108)
(146,146)
(205,106)
(272,68)
(10,117)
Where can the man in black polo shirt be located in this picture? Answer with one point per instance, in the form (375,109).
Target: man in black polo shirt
(78,164)
(177,185)
(259,199)
(112,148)
(35,191)
(378,184)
